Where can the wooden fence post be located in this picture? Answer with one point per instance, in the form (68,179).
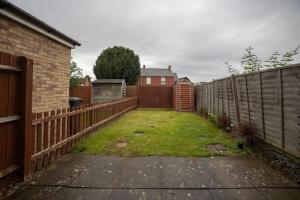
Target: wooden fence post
(228,105)
(247,95)
(207,97)
(218,97)
(262,105)
(26,116)
(235,98)
(213,98)
(281,106)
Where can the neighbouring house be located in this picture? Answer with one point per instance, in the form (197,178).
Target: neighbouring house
(108,89)
(86,81)
(157,77)
(25,35)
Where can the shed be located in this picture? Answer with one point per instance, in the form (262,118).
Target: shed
(104,90)
(183,95)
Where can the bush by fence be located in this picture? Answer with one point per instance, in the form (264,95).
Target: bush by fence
(56,132)
(268,101)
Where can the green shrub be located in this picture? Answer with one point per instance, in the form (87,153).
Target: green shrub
(223,122)
(240,144)
(248,132)
(212,119)
(203,113)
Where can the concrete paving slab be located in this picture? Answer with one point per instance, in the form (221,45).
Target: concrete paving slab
(140,172)
(181,172)
(186,195)
(236,194)
(82,176)
(37,193)
(238,172)
(111,194)
(100,172)
(224,172)
(281,193)
(63,171)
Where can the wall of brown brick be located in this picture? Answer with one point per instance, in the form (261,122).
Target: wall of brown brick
(155,81)
(51,62)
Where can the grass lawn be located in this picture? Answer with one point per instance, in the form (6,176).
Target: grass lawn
(168,133)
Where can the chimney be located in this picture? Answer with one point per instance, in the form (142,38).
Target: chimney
(169,67)
(144,66)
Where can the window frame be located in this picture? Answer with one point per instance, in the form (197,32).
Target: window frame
(161,80)
(148,80)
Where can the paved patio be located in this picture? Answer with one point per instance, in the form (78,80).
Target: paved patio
(80,176)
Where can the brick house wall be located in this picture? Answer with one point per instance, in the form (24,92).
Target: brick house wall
(155,81)
(51,61)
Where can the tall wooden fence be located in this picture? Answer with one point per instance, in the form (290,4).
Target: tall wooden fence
(56,132)
(15,116)
(131,91)
(152,96)
(268,100)
(83,92)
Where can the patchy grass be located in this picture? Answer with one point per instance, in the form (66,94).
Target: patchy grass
(157,132)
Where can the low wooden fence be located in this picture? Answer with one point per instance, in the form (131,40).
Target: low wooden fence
(268,101)
(152,96)
(83,92)
(56,132)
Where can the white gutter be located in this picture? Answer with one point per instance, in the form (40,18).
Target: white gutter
(35,27)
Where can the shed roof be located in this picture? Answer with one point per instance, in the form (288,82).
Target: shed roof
(158,72)
(184,79)
(13,12)
(115,81)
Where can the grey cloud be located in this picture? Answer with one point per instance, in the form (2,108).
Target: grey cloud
(195,37)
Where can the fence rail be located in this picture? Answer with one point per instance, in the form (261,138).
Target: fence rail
(268,101)
(56,132)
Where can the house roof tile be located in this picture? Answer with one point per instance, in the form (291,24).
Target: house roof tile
(158,72)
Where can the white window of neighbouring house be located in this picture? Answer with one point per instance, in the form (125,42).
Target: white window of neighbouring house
(163,80)
(148,80)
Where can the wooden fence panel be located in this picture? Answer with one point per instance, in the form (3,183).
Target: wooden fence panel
(131,91)
(271,101)
(15,116)
(255,103)
(155,96)
(291,109)
(83,92)
(56,133)
(268,101)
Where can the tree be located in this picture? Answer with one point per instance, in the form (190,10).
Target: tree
(118,63)
(251,63)
(75,74)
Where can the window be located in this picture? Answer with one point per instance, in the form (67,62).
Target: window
(148,80)
(163,80)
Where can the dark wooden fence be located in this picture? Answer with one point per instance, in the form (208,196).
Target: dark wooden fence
(131,91)
(268,101)
(56,132)
(152,96)
(83,92)
(15,116)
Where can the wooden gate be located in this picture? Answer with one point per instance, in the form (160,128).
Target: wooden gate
(154,96)
(15,116)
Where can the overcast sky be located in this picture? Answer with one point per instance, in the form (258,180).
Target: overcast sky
(195,37)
